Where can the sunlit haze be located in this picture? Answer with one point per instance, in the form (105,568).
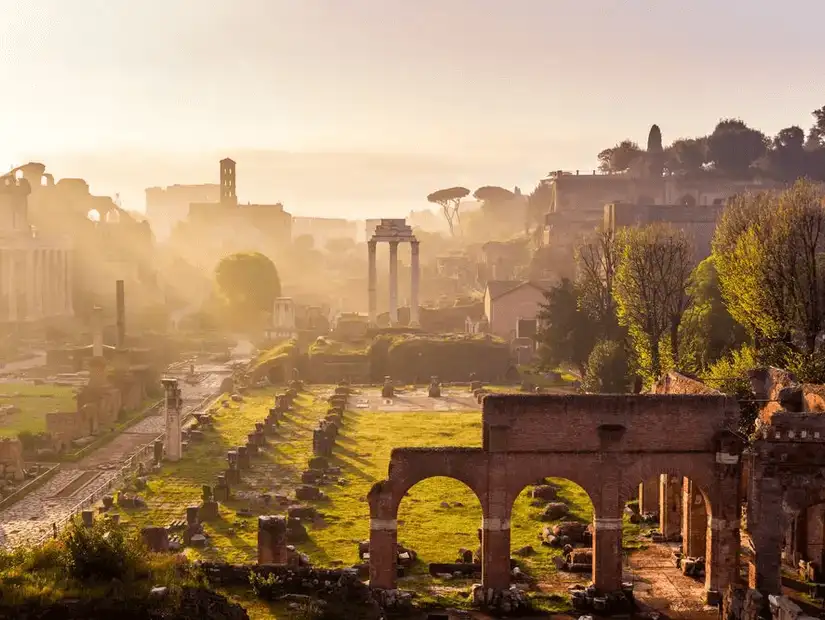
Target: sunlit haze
(316,98)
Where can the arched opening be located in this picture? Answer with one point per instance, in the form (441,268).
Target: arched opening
(439,521)
(275,374)
(551,539)
(803,549)
(688,200)
(112,216)
(668,524)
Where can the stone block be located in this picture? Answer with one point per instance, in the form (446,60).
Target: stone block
(155,538)
(208,511)
(272,540)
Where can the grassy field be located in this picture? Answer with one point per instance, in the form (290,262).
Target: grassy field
(437,518)
(34,401)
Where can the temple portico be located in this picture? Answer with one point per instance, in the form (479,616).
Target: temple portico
(393,232)
(35,273)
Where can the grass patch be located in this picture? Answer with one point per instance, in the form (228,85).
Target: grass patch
(34,402)
(275,471)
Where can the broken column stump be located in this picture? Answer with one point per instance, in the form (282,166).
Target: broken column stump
(272,541)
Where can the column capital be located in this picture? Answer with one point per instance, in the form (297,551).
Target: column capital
(372,243)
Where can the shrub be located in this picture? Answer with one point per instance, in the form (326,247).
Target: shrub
(101,553)
(607,369)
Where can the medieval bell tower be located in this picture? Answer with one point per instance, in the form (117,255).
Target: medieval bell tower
(229,197)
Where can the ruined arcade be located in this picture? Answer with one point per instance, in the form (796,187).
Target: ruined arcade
(605,444)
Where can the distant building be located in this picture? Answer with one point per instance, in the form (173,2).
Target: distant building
(166,206)
(506,302)
(214,229)
(323,229)
(699,222)
(35,271)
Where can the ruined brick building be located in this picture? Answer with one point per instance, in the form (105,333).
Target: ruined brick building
(677,450)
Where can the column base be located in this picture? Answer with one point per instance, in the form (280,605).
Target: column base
(505,601)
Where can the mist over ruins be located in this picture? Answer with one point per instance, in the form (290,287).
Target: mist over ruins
(574,393)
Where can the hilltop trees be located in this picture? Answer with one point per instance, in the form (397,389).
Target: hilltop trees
(733,149)
(449,200)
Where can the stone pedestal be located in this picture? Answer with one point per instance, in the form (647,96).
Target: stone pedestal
(272,540)
(208,511)
(88,518)
(243,458)
(157,451)
(694,521)
(607,554)
(649,496)
(670,506)
(233,475)
(155,538)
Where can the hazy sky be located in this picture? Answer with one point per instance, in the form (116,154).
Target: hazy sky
(425,93)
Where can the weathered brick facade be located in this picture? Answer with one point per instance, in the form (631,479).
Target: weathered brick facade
(605,444)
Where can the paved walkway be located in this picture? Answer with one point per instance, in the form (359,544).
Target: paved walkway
(452,399)
(659,585)
(31,518)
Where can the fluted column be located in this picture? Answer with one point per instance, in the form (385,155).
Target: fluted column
(372,278)
(414,276)
(38,310)
(68,263)
(393,283)
(11,272)
(30,285)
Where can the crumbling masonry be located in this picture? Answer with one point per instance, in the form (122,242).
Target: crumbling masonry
(605,444)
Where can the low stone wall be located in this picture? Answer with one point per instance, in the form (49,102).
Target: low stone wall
(223,574)
(33,485)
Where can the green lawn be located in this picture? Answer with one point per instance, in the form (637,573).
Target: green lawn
(434,530)
(34,401)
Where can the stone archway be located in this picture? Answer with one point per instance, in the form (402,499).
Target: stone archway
(605,444)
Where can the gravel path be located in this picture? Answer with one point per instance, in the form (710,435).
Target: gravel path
(31,518)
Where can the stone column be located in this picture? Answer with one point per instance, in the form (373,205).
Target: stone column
(272,541)
(414,278)
(649,496)
(68,282)
(694,520)
(670,506)
(495,527)
(383,552)
(97,331)
(393,283)
(607,532)
(767,526)
(11,272)
(30,285)
(173,422)
(372,278)
(39,273)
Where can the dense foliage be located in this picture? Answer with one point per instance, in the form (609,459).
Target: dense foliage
(248,285)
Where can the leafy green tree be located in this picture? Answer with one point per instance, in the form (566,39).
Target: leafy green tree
(596,264)
(687,156)
(708,331)
(768,250)
(248,284)
(607,369)
(620,157)
(566,334)
(651,291)
(733,147)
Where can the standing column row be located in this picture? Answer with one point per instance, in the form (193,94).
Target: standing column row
(372,278)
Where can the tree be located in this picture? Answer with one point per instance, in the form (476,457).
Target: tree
(619,157)
(655,152)
(492,194)
(449,200)
(687,156)
(709,332)
(787,159)
(769,250)
(248,283)
(596,262)
(651,281)
(733,147)
(538,205)
(607,369)
(566,333)
(816,136)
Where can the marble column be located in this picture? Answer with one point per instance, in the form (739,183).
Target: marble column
(38,282)
(414,277)
(393,283)
(372,278)
(68,257)
(30,285)
(174,447)
(11,272)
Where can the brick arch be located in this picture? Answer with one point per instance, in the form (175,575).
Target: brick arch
(698,468)
(583,471)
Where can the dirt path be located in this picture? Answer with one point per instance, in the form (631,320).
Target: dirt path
(31,518)
(658,584)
